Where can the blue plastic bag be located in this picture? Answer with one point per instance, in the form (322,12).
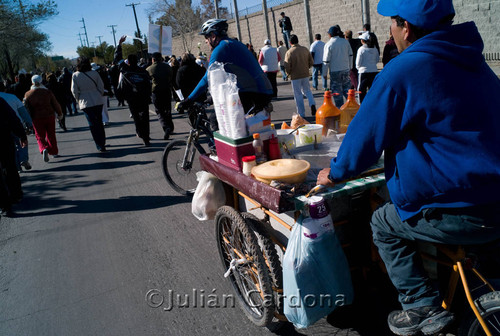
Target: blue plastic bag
(316,276)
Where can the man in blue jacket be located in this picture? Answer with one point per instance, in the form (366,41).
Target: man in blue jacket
(255,90)
(431,112)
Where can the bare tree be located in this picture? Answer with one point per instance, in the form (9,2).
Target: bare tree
(181,16)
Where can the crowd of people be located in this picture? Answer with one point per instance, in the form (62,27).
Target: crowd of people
(34,102)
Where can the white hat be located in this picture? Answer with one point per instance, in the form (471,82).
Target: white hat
(365,36)
(36,79)
(95,66)
(267,41)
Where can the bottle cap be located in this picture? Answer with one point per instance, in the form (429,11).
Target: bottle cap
(256,135)
(249,158)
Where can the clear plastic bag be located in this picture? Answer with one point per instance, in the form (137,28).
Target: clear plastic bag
(208,197)
(228,108)
(316,276)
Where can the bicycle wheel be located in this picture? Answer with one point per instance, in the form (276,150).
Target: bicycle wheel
(489,307)
(179,174)
(250,276)
(272,259)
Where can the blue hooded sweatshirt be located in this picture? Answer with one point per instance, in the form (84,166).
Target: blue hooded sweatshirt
(435,112)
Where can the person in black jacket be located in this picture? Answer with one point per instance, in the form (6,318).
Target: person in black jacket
(10,182)
(286,28)
(189,75)
(135,86)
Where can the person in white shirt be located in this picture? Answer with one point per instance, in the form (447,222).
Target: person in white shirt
(366,63)
(337,58)
(269,62)
(316,50)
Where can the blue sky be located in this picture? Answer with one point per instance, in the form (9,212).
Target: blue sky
(63,29)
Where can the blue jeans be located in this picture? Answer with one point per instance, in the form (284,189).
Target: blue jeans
(340,82)
(283,72)
(21,153)
(318,71)
(94,118)
(302,88)
(396,242)
(286,38)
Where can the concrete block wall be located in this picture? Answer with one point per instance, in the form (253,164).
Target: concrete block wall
(348,14)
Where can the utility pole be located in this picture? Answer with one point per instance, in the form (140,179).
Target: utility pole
(135,16)
(266,20)
(137,24)
(85,29)
(113,30)
(237,19)
(99,37)
(216,4)
(81,41)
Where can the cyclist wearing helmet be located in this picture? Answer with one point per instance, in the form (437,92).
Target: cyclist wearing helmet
(255,90)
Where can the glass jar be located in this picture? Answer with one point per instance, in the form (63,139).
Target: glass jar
(248,163)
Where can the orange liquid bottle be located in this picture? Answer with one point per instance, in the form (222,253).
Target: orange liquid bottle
(349,110)
(328,114)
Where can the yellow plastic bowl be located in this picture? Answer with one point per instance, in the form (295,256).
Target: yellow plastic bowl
(284,170)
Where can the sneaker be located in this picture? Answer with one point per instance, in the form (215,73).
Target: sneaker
(313,110)
(45,154)
(26,165)
(428,320)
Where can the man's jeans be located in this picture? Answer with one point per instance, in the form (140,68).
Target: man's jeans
(286,38)
(302,88)
(21,153)
(318,71)
(396,242)
(340,82)
(283,72)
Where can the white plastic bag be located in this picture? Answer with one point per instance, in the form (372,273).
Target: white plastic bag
(208,197)
(316,276)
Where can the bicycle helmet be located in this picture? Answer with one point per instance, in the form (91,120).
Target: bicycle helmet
(218,26)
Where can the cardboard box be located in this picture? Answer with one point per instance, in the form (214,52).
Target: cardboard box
(230,151)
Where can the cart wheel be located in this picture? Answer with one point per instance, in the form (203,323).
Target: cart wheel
(273,263)
(489,308)
(250,278)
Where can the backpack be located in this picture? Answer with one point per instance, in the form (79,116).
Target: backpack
(134,85)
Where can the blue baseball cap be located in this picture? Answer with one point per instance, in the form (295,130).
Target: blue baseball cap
(424,14)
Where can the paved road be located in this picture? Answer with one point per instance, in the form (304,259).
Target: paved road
(96,232)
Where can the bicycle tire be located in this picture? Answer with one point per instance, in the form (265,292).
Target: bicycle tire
(250,280)
(273,263)
(489,308)
(181,180)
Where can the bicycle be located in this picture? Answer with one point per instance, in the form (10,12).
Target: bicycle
(484,316)
(180,158)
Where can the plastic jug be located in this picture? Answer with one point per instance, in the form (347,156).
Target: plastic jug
(328,114)
(349,110)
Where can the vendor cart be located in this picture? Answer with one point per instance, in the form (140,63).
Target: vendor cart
(252,231)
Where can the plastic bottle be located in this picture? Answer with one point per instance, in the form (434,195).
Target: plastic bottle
(274,148)
(328,114)
(349,110)
(319,221)
(248,163)
(258,147)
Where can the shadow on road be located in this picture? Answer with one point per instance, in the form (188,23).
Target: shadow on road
(33,205)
